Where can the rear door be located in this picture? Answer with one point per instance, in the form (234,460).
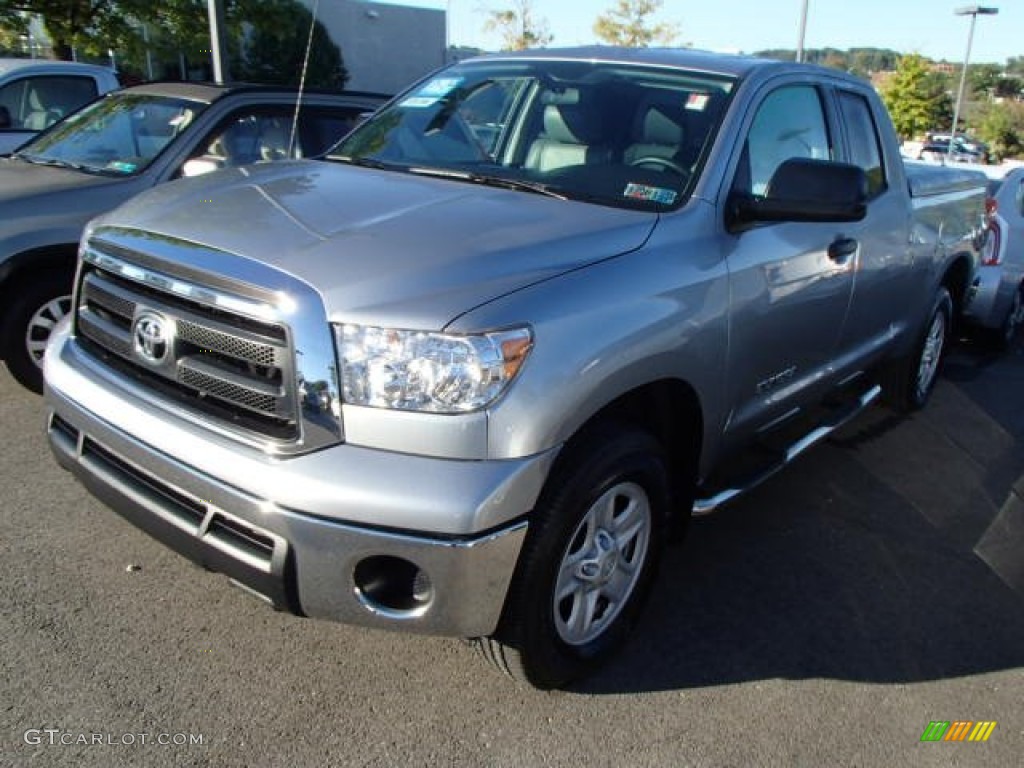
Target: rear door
(883,274)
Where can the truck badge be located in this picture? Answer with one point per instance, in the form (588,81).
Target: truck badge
(151,338)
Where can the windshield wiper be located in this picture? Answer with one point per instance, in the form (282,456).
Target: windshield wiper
(502,182)
(55,163)
(366,162)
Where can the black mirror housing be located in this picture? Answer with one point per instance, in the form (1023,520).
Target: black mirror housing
(803,189)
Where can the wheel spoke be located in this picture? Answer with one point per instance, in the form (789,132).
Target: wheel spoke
(582,616)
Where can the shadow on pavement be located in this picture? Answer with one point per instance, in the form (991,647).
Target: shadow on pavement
(893,554)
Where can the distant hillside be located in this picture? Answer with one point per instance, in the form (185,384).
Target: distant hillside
(859,61)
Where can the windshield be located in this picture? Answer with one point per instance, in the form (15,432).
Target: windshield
(120,134)
(614,134)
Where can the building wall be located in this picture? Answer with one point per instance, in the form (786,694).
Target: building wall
(385,47)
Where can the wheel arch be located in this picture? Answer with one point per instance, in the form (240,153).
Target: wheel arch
(670,410)
(22,266)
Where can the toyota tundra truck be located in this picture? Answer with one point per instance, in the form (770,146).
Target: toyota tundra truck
(467,374)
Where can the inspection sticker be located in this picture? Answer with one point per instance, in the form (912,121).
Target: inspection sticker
(697,102)
(653,194)
(432,92)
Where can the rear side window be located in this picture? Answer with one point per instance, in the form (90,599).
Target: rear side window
(862,135)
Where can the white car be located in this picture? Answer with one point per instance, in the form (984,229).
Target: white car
(36,93)
(998,290)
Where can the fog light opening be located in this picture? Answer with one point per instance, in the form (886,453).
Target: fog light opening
(393,587)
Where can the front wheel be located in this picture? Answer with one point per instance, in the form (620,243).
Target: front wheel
(909,381)
(37,308)
(588,561)
(1014,320)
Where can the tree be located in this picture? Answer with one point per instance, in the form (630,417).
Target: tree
(984,78)
(1001,126)
(519,27)
(72,24)
(916,98)
(274,50)
(628,24)
(12,26)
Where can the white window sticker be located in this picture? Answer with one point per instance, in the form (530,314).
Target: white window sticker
(432,92)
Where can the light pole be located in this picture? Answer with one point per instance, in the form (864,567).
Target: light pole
(973,11)
(803,31)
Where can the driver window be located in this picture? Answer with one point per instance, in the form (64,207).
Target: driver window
(789,123)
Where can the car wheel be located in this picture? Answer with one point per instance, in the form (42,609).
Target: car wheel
(1014,320)
(908,382)
(588,561)
(36,310)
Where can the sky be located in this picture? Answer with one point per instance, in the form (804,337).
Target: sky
(928,27)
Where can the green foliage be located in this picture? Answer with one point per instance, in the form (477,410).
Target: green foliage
(84,25)
(518,26)
(627,24)
(859,61)
(274,49)
(266,39)
(984,78)
(916,98)
(1001,126)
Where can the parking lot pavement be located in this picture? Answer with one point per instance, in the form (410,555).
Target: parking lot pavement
(824,619)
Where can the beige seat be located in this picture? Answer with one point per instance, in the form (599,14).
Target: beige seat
(571,136)
(657,139)
(44,109)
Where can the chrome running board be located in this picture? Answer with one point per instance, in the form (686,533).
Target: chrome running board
(705,506)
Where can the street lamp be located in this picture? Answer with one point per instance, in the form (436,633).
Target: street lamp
(803,31)
(973,11)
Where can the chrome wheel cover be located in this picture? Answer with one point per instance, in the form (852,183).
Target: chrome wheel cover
(931,354)
(602,563)
(41,325)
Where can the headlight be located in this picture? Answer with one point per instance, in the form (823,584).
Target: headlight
(431,372)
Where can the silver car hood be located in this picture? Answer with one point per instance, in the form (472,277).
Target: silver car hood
(385,247)
(21,180)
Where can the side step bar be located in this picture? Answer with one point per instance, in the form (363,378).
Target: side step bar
(708,505)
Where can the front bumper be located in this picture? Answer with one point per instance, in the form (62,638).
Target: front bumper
(310,562)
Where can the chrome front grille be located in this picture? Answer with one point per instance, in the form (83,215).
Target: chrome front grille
(224,364)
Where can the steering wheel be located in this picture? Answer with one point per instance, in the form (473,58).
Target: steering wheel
(664,163)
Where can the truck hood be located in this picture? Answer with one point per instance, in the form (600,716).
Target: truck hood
(385,247)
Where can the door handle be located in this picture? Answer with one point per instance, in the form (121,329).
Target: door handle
(842,249)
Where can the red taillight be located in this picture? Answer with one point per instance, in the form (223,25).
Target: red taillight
(991,206)
(990,255)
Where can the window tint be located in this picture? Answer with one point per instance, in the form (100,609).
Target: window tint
(35,103)
(789,123)
(862,134)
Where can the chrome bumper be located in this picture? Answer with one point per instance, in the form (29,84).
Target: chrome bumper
(300,560)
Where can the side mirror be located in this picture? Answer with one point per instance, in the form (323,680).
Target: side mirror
(802,189)
(200,166)
(5,118)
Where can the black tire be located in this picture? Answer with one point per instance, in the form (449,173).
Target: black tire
(1014,321)
(908,381)
(596,536)
(37,306)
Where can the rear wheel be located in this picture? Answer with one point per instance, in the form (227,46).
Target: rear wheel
(909,381)
(588,561)
(38,306)
(1014,320)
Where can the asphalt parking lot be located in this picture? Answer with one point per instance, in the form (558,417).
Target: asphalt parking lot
(824,619)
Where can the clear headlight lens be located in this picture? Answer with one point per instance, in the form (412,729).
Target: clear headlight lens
(430,372)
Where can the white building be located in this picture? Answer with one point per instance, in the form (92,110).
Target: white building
(385,46)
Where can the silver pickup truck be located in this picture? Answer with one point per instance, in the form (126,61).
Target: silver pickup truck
(467,375)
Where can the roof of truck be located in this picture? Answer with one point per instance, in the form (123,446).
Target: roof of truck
(683,58)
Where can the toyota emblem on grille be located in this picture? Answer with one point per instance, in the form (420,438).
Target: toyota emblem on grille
(152,336)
